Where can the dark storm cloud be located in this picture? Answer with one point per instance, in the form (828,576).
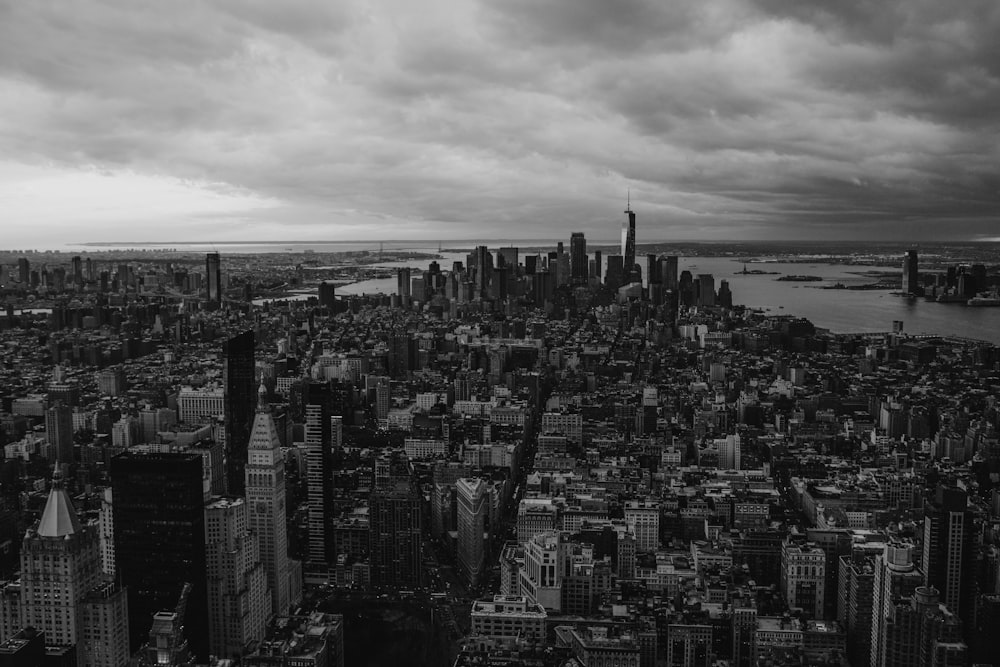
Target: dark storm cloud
(771,117)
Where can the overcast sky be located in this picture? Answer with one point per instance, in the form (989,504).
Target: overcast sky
(135,120)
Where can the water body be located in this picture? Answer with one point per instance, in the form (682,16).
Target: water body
(842,311)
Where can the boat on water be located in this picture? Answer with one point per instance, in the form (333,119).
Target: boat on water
(982,301)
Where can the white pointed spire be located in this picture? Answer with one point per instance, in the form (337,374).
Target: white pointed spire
(59,518)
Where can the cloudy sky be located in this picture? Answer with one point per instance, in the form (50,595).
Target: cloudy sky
(134,120)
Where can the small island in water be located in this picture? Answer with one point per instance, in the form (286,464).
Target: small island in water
(800,279)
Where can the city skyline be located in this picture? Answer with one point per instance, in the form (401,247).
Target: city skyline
(750,121)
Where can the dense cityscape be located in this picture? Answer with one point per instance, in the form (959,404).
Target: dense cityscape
(568,457)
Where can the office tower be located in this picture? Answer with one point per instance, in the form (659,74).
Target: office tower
(319,477)
(508,256)
(730,452)
(803,574)
(327,295)
(744,629)
(240,398)
(598,267)
(562,267)
(238,601)
(544,565)
(628,243)
(644,519)
(213,278)
(160,539)
(23,270)
(668,270)
(64,593)
(106,530)
(265,492)
(706,290)
(922,632)
(949,549)
(579,266)
(59,431)
(383,396)
(473,512)
(911,276)
(653,274)
(896,578)
(614,276)
(403,282)
(498,284)
(856,602)
(484,269)
(531,264)
(725,295)
(395,530)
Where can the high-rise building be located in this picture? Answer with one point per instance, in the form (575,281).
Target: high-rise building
(319,477)
(949,549)
(644,519)
(24,271)
(628,244)
(896,578)
(706,290)
(213,278)
(668,269)
(238,601)
(473,512)
(395,530)
(579,266)
(160,539)
(64,593)
(803,574)
(265,493)
(327,294)
(484,269)
(403,282)
(59,431)
(239,400)
(911,275)
(614,274)
(508,256)
(922,632)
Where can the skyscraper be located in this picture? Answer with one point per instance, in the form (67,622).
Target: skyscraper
(579,266)
(628,244)
(668,267)
(59,431)
(395,528)
(949,549)
(319,478)
(484,270)
(213,278)
(239,400)
(473,510)
(64,593)
(265,493)
(159,522)
(614,275)
(706,290)
(911,276)
(23,270)
(403,282)
(238,602)
(896,578)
